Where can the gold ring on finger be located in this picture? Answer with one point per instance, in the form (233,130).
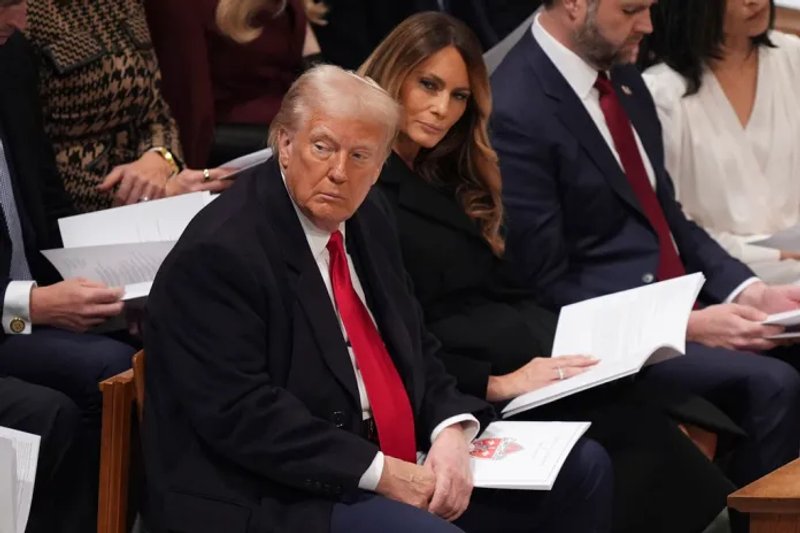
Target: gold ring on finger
(206,175)
(560,371)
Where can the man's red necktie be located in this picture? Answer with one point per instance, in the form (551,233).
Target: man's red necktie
(388,398)
(669,262)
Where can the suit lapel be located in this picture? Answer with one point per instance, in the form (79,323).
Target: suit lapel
(576,118)
(304,277)
(418,196)
(372,268)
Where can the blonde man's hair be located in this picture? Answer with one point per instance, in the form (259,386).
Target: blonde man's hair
(235,17)
(331,91)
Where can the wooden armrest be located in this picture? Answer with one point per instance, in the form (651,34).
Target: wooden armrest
(777,492)
(703,439)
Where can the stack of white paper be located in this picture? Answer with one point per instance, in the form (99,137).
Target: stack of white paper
(19,454)
(523,455)
(124,246)
(625,330)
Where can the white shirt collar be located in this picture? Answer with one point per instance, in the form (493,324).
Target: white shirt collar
(580,75)
(317,238)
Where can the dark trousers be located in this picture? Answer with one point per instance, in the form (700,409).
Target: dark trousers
(761,394)
(580,502)
(62,499)
(662,482)
(73,363)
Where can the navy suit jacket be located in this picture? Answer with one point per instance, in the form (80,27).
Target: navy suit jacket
(253,416)
(576,229)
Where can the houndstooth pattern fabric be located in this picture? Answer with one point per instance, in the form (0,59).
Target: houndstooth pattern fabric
(100,90)
(19,269)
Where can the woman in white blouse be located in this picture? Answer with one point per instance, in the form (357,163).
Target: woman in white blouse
(727,91)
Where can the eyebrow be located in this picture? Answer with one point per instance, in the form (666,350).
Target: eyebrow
(439,81)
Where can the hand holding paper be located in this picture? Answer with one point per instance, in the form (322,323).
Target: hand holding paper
(732,326)
(75,304)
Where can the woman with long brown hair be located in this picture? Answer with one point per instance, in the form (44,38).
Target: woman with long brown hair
(444,186)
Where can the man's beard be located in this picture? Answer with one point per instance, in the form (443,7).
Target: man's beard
(596,49)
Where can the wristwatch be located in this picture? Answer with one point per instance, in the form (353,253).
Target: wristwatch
(168,157)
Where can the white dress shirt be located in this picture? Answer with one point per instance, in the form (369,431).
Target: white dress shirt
(741,183)
(581,77)
(17,298)
(317,242)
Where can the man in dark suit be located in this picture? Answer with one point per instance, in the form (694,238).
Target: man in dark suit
(290,379)
(31,348)
(43,320)
(591,211)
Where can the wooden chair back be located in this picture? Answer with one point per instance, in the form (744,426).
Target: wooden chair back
(120,394)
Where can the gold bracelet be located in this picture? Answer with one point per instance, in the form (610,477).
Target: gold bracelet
(168,157)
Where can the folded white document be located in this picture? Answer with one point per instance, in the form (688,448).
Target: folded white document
(523,455)
(19,455)
(156,220)
(625,330)
(131,266)
(240,164)
(787,240)
(790,320)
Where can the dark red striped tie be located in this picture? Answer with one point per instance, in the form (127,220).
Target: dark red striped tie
(388,398)
(669,262)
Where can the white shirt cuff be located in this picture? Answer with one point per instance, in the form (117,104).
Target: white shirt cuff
(471,426)
(738,290)
(17,308)
(369,480)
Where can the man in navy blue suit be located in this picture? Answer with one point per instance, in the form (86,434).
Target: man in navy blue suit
(591,211)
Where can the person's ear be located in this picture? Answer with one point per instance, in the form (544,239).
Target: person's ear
(285,147)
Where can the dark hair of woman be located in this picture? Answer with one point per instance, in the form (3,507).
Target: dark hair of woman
(687,34)
(463,160)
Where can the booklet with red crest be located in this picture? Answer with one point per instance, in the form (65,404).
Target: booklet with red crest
(523,455)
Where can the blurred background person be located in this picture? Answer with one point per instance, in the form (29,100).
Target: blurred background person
(726,89)
(224,90)
(443,183)
(114,139)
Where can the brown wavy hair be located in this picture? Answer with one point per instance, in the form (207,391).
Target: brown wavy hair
(235,17)
(464,159)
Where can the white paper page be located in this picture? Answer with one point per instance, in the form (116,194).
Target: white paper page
(240,164)
(115,265)
(26,446)
(787,240)
(523,455)
(8,482)
(787,318)
(624,330)
(136,291)
(156,220)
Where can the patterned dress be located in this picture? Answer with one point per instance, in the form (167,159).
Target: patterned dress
(100,90)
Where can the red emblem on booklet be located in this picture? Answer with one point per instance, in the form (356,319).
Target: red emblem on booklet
(494,448)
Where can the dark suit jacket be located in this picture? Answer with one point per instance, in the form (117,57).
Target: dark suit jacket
(253,420)
(576,230)
(487,324)
(38,190)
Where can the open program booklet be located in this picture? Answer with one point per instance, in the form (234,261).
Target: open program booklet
(625,330)
(523,455)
